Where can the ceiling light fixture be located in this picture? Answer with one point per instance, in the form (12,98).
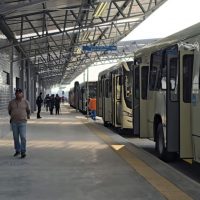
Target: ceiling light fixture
(100,9)
(86,35)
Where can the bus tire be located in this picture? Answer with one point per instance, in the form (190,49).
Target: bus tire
(163,154)
(105,124)
(160,142)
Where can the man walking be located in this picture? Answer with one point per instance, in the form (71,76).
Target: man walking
(19,111)
(39,104)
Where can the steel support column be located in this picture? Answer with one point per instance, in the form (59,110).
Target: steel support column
(28,86)
(87,88)
(11,73)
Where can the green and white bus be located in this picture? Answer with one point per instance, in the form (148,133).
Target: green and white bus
(114,97)
(166,97)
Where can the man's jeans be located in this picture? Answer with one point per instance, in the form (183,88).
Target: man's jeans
(19,131)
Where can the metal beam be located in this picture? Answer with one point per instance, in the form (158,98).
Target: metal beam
(55,23)
(10,36)
(32,26)
(5,10)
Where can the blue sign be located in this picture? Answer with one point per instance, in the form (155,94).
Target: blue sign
(99,48)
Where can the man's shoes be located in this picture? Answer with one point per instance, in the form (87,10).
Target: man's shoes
(39,117)
(23,155)
(16,153)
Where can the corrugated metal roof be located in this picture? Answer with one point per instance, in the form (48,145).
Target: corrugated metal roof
(51,33)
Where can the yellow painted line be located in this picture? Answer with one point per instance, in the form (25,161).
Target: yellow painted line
(164,186)
(188,161)
(117,147)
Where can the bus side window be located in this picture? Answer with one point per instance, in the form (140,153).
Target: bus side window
(173,73)
(145,72)
(127,87)
(137,83)
(101,87)
(118,87)
(187,77)
(164,74)
(155,71)
(110,85)
(107,88)
(173,79)
(152,80)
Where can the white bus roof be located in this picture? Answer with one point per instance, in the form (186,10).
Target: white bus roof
(187,33)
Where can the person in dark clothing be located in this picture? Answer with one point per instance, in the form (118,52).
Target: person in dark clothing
(51,104)
(57,104)
(39,104)
(47,102)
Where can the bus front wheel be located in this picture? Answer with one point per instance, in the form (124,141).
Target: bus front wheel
(161,148)
(160,142)
(105,123)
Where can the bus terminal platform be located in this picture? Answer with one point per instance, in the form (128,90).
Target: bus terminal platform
(71,157)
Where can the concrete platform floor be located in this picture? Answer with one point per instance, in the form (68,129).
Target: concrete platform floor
(72,158)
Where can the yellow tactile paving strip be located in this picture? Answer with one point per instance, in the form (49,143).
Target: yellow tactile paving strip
(164,186)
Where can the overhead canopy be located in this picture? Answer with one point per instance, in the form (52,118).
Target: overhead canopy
(52,32)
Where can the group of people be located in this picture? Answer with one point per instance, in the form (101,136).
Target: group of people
(19,111)
(49,103)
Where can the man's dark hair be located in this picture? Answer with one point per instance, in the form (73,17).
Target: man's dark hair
(18,90)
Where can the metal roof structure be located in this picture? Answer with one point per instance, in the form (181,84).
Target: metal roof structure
(51,33)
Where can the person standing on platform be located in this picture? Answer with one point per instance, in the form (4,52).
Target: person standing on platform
(19,111)
(39,105)
(47,102)
(92,108)
(57,104)
(51,104)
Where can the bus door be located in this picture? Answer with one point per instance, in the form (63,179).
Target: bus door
(196,106)
(136,100)
(100,103)
(107,102)
(113,99)
(186,70)
(117,100)
(171,84)
(103,97)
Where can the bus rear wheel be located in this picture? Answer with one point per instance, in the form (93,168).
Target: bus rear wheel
(161,148)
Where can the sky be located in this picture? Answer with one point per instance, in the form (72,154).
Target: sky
(171,17)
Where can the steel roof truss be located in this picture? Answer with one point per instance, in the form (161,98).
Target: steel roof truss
(21,31)
(120,11)
(117,29)
(62,44)
(8,9)
(32,26)
(55,23)
(140,5)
